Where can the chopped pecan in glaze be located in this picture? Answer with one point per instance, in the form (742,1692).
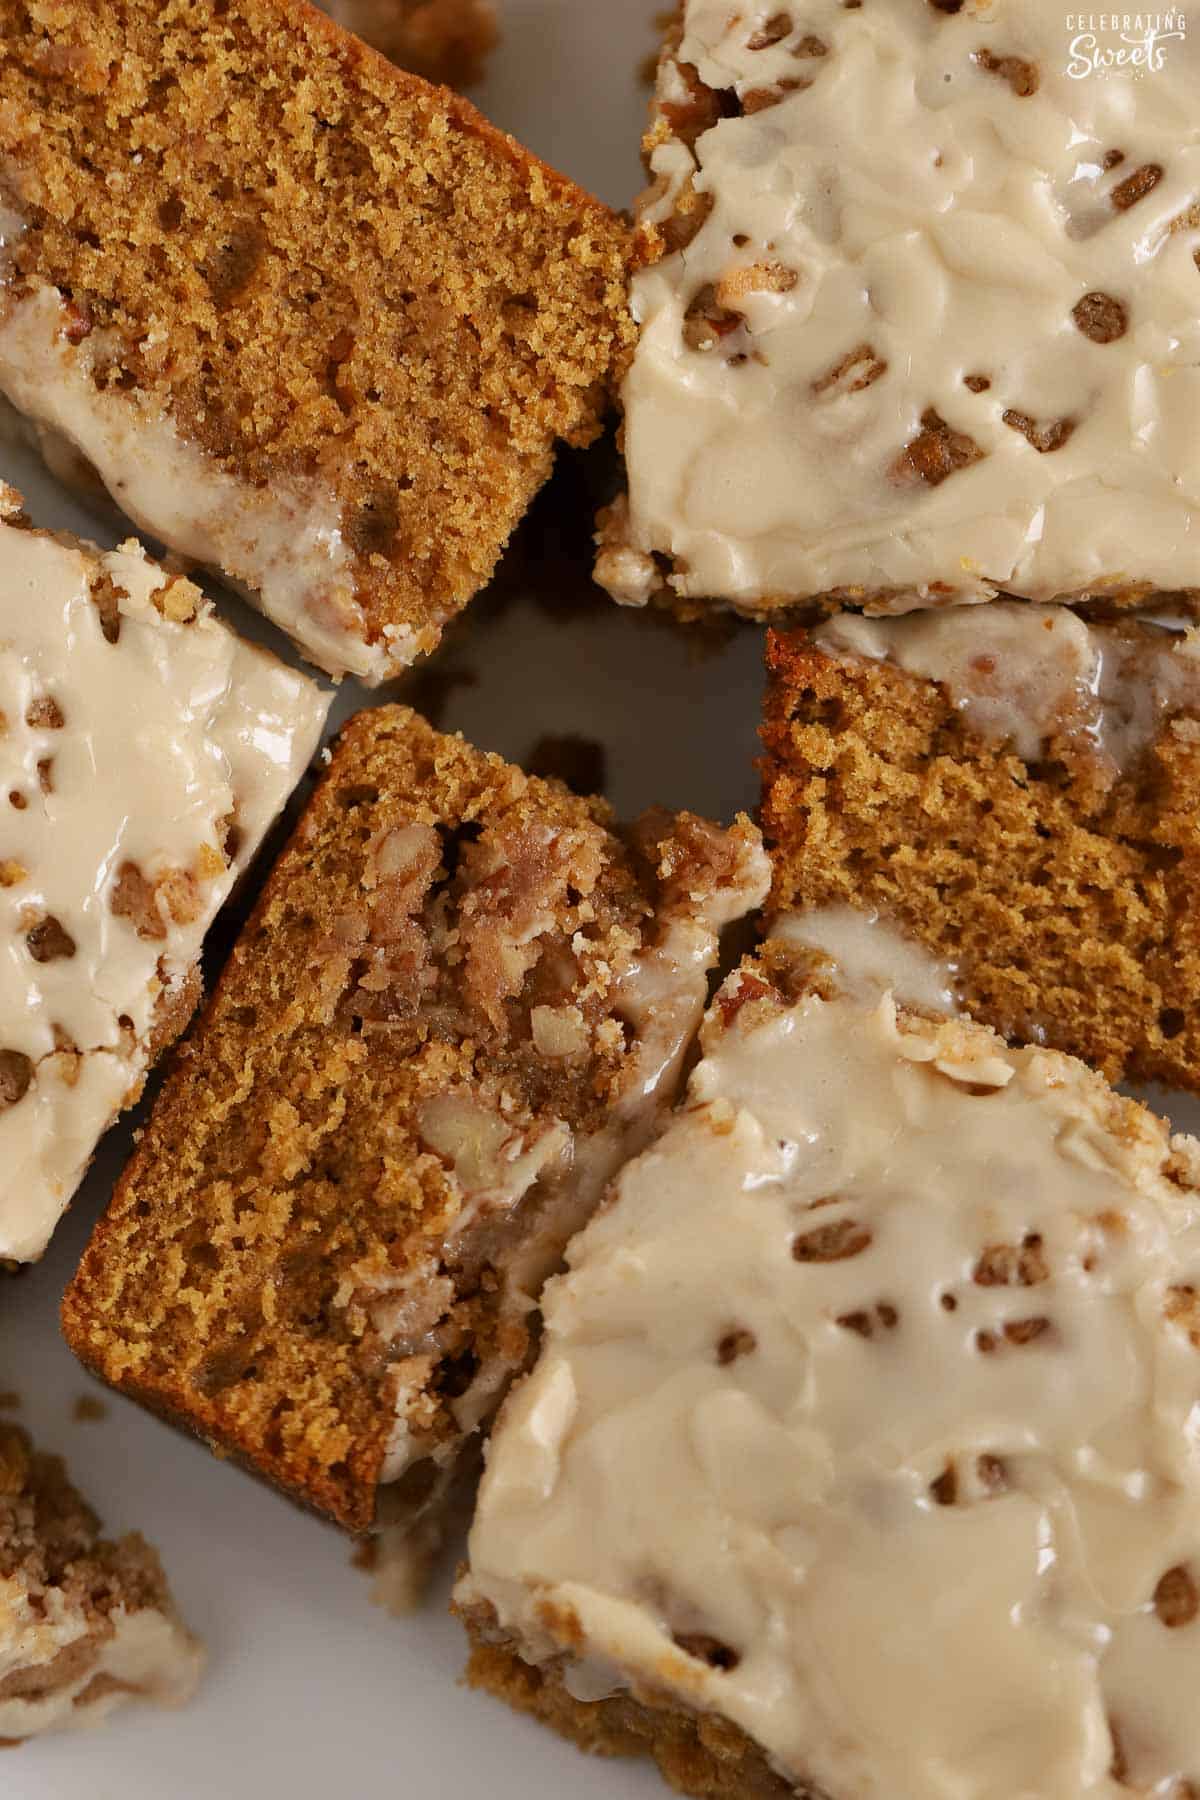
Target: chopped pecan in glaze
(936,453)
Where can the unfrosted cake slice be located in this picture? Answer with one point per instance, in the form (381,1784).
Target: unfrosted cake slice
(85,1624)
(144,751)
(858,1458)
(1017,790)
(917,312)
(464,998)
(312,322)
(441,40)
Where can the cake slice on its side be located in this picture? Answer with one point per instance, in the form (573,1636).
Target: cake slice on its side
(440,40)
(917,315)
(145,750)
(1016,790)
(858,1456)
(312,323)
(85,1624)
(462,1001)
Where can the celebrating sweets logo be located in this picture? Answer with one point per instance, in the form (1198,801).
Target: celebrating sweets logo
(1123,43)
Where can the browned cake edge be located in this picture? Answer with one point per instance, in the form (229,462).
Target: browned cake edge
(696,1753)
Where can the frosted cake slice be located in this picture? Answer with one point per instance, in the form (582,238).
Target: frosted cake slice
(858,1457)
(86,1624)
(144,751)
(1016,789)
(917,313)
(311,322)
(464,999)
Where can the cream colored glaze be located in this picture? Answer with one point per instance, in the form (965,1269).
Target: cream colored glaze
(281,546)
(919,207)
(873,954)
(1020,674)
(643,1485)
(167,734)
(150,1653)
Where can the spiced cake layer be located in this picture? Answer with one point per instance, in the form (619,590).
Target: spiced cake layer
(463,999)
(1016,790)
(857,1459)
(144,751)
(314,323)
(917,312)
(440,40)
(86,1624)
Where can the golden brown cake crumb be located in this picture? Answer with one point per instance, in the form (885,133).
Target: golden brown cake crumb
(697,1753)
(314,322)
(85,1623)
(462,1000)
(1056,879)
(441,40)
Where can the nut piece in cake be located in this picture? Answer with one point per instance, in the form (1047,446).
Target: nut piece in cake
(441,40)
(85,1624)
(1015,788)
(318,331)
(917,314)
(463,1000)
(857,1458)
(144,751)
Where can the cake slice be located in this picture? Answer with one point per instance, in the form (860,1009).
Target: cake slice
(440,40)
(463,999)
(313,323)
(85,1624)
(858,1457)
(917,312)
(1016,790)
(144,751)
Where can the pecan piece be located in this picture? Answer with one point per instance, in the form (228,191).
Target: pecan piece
(936,453)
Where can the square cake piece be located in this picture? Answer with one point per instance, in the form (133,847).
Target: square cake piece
(858,1461)
(144,751)
(1016,790)
(440,40)
(463,1000)
(85,1624)
(918,313)
(311,322)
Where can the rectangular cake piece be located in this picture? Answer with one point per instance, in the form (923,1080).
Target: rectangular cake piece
(312,322)
(917,312)
(86,1624)
(1017,791)
(857,1461)
(144,751)
(440,40)
(463,999)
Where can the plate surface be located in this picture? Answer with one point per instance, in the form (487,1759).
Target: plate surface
(312,1689)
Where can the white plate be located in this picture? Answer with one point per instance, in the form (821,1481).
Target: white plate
(312,1690)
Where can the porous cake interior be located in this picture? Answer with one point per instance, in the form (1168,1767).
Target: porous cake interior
(324,271)
(1060,888)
